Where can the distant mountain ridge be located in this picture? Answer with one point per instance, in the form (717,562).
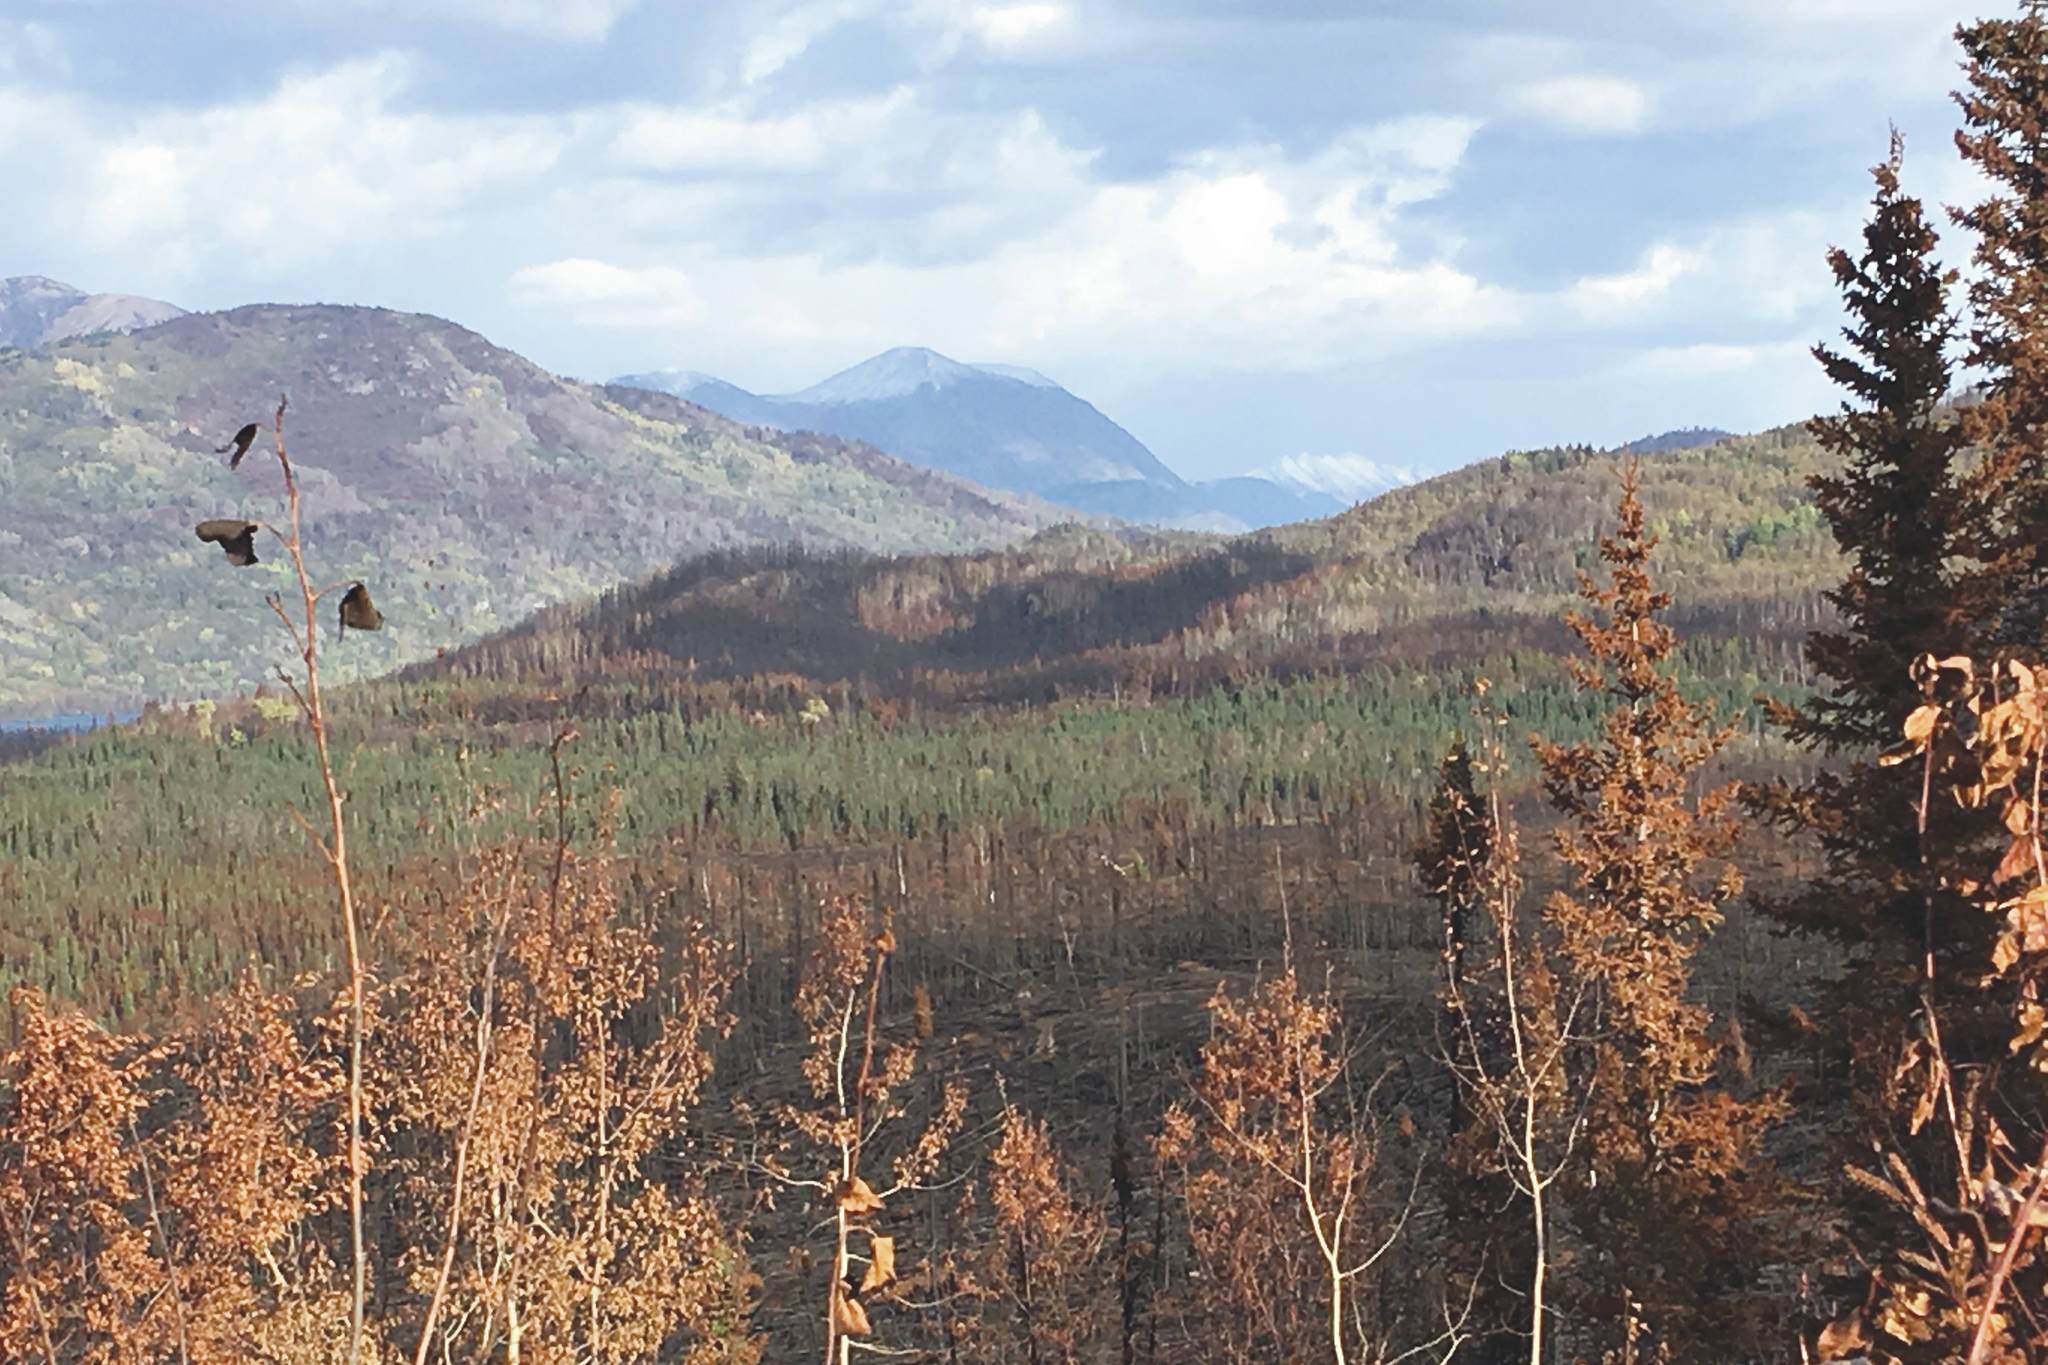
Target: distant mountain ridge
(1003,426)
(1684,438)
(465,484)
(1432,577)
(38,311)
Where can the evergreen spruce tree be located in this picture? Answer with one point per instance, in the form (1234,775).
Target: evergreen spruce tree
(1925,512)
(1906,513)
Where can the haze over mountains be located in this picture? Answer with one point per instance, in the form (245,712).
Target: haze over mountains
(1010,427)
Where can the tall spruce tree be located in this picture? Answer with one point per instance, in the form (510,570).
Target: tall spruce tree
(1923,512)
(1670,1199)
(1905,512)
(2005,136)
(1897,509)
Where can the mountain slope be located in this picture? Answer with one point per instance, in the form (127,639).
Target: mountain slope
(467,486)
(1000,425)
(37,311)
(1473,564)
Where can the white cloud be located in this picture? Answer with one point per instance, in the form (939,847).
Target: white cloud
(602,295)
(777,43)
(324,162)
(1600,297)
(1015,26)
(1291,262)
(1584,103)
(726,138)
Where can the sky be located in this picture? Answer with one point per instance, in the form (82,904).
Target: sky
(1419,232)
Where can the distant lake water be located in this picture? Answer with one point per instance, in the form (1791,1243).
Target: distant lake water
(72,721)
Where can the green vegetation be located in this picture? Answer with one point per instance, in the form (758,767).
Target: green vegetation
(472,483)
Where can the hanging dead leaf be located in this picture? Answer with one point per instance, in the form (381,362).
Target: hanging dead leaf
(855,1196)
(240,445)
(1944,679)
(849,1319)
(881,1264)
(358,612)
(1921,723)
(1844,1337)
(236,537)
(2019,860)
(2019,816)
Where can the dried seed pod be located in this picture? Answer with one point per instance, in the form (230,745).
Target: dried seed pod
(240,445)
(235,536)
(358,612)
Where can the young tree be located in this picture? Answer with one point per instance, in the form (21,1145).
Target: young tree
(78,1278)
(1512,1024)
(1046,1266)
(1295,1201)
(858,1078)
(237,539)
(540,1055)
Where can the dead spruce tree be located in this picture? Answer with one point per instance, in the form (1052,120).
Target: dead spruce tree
(1669,1203)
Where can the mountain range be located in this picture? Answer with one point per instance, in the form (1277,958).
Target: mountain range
(464,484)
(38,311)
(1005,426)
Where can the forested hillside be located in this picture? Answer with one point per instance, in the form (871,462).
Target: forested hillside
(1478,561)
(469,485)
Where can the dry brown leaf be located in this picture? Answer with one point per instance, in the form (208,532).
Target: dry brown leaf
(881,1264)
(848,1317)
(856,1196)
(1921,723)
(2019,816)
(1845,1336)
(2017,862)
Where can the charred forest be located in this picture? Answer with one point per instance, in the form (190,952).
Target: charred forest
(1588,907)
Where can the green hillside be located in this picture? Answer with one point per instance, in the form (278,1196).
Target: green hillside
(466,485)
(1475,562)
(775,713)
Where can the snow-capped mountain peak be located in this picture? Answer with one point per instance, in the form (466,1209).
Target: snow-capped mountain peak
(892,374)
(1346,476)
(1022,374)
